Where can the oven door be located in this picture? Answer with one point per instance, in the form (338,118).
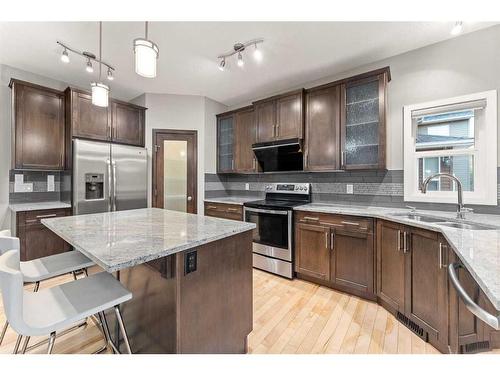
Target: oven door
(273,235)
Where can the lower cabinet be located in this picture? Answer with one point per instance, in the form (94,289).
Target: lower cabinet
(412,279)
(224,210)
(336,250)
(36,240)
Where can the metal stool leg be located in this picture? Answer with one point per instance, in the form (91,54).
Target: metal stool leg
(51,342)
(18,342)
(37,286)
(25,344)
(5,326)
(122,329)
(105,326)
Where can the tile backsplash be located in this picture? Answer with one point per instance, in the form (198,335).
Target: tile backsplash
(40,191)
(381,188)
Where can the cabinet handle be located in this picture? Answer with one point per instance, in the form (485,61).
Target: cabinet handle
(350,223)
(332,240)
(399,240)
(45,216)
(232,164)
(441,246)
(326,240)
(232,210)
(405,242)
(342,159)
(212,207)
(311,218)
(277,130)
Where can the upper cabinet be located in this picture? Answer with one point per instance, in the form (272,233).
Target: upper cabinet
(38,127)
(235,135)
(362,122)
(280,117)
(120,122)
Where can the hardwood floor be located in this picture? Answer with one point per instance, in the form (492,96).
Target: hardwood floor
(289,317)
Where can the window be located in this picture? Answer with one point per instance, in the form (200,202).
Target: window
(457,136)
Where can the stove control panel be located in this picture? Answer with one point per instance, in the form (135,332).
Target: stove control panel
(300,188)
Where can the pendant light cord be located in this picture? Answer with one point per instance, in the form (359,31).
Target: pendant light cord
(100,49)
(146,30)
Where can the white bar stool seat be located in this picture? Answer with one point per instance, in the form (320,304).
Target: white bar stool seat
(41,269)
(50,310)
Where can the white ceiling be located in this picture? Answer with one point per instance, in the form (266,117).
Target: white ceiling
(294,52)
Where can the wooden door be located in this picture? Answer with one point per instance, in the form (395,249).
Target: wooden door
(175,170)
(312,250)
(225,143)
(88,120)
(426,284)
(265,121)
(390,265)
(352,261)
(38,115)
(244,137)
(127,123)
(362,123)
(322,130)
(290,116)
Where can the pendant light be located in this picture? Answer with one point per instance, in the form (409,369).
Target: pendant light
(100,91)
(146,53)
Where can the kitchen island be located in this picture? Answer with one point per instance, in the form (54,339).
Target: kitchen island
(190,276)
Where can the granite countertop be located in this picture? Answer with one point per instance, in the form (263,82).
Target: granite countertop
(21,207)
(231,200)
(479,250)
(117,240)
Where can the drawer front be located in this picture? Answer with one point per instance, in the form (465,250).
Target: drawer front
(345,222)
(223,210)
(35,217)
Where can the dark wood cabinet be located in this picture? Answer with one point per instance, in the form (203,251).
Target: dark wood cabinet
(322,133)
(120,122)
(225,143)
(244,137)
(224,210)
(412,279)
(312,250)
(37,127)
(336,250)
(127,122)
(280,117)
(36,239)
(363,122)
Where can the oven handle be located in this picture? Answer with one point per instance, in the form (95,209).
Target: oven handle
(276,212)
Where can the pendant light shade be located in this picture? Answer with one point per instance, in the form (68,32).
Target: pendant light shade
(146,53)
(100,94)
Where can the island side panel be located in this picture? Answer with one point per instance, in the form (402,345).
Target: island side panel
(215,302)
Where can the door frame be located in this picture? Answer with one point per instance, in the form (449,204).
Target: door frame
(193,133)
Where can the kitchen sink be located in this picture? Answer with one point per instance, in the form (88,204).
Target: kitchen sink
(424,218)
(469,226)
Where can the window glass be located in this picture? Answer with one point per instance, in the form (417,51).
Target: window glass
(460,166)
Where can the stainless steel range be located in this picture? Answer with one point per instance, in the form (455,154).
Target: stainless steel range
(273,237)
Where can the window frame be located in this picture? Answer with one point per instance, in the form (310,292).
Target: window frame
(484,153)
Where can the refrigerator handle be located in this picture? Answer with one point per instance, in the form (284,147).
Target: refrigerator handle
(114,185)
(108,163)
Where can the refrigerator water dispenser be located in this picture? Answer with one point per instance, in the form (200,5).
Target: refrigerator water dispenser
(94,186)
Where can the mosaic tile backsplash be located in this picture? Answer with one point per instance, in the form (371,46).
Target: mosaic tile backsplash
(380,188)
(40,192)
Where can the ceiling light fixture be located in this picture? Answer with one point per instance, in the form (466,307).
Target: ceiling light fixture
(64,56)
(146,55)
(110,75)
(240,60)
(238,48)
(89,68)
(100,91)
(222,65)
(457,29)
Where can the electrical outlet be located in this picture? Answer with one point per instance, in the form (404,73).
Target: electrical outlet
(23,188)
(190,262)
(50,182)
(247,186)
(349,189)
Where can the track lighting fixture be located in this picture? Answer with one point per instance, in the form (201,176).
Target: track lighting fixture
(110,75)
(146,54)
(64,56)
(222,65)
(238,49)
(100,91)
(89,68)
(457,29)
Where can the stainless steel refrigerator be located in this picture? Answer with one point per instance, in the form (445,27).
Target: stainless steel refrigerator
(108,177)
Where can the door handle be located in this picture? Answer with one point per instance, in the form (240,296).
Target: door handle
(114,185)
(190,198)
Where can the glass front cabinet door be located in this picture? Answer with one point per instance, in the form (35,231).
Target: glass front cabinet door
(363,123)
(225,144)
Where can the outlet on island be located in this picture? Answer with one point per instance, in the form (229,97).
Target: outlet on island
(190,262)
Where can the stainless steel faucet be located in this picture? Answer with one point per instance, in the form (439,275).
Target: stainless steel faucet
(461,210)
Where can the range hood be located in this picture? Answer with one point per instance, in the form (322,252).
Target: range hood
(280,156)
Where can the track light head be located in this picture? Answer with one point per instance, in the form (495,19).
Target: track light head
(110,75)
(457,29)
(89,68)
(257,54)
(222,65)
(65,56)
(240,60)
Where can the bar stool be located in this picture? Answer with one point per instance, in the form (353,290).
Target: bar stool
(38,270)
(50,310)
